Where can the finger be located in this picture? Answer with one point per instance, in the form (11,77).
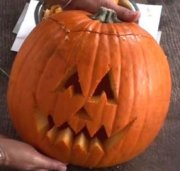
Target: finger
(122,12)
(49,164)
(127,15)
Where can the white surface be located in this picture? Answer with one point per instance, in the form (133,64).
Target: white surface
(149,20)
(26,27)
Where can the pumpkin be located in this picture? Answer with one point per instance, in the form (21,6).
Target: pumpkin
(89,90)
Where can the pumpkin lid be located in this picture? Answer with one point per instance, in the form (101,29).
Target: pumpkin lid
(77,21)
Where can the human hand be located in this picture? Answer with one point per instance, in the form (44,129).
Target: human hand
(23,156)
(93,5)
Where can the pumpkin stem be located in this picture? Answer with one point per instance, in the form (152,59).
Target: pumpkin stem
(106,15)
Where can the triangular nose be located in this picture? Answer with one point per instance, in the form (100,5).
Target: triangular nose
(83,114)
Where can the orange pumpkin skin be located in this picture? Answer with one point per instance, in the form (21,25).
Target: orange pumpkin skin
(89,93)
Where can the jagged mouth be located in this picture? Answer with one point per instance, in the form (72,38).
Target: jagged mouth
(100,134)
(65,135)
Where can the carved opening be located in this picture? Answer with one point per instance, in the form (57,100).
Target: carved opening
(85,132)
(101,134)
(50,122)
(105,86)
(63,126)
(73,80)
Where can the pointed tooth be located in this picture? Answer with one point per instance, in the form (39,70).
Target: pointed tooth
(96,152)
(83,114)
(116,139)
(64,142)
(93,128)
(52,134)
(42,124)
(79,150)
(110,147)
(76,124)
(87,61)
(95,106)
(65,136)
(114,143)
(94,125)
(109,114)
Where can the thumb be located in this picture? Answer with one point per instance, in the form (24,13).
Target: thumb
(122,12)
(127,15)
(47,163)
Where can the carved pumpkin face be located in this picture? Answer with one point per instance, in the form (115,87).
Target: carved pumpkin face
(89,93)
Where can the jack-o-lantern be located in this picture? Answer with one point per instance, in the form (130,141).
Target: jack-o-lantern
(90,92)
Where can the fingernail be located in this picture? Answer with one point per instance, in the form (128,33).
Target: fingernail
(138,14)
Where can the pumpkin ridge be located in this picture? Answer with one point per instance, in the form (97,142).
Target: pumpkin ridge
(147,111)
(17,82)
(115,83)
(129,62)
(133,106)
(131,51)
(129,122)
(105,67)
(148,96)
(43,72)
(148,107)
(116,93)
(14,79)
(89,61)
(20,100)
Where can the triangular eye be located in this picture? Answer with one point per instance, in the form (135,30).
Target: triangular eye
(73,80)
(105,86)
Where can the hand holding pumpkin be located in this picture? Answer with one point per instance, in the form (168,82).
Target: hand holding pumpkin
(23,156)
(122,10)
